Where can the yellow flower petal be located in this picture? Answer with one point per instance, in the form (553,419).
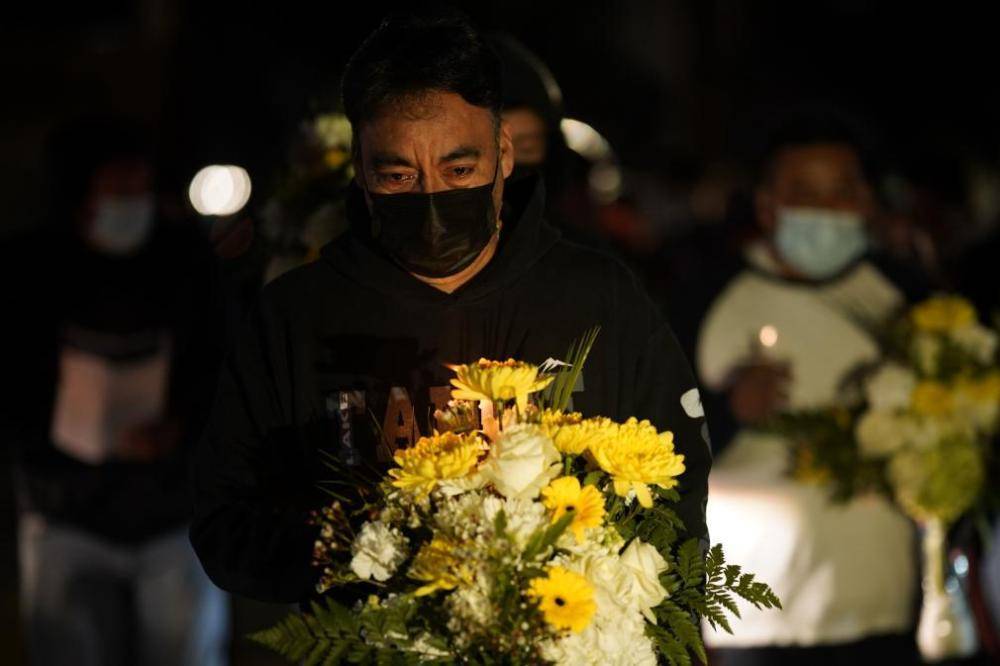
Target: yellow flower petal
(942,314)
(565,598)
(432,459)
(565,495)
(636,455)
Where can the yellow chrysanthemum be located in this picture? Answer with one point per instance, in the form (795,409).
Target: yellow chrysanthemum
(497,380)
(636,456)
(941,314)
(930,398)
(565,598)
(565,495)
(439,567)
(571,433)
(432,459)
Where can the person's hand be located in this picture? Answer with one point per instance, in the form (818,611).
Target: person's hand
(148,442)
(758,391)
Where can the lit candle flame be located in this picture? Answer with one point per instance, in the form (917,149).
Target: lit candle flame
(768,335)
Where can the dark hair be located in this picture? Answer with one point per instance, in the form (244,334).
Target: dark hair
(805,127)
(412,54)
(527,81)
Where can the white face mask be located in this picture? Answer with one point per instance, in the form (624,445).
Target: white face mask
(820,242)
(122,224)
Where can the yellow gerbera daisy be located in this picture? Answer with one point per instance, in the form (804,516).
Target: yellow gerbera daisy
(432,459)
(565,598)
(635,456)
(571,433)
(497,380)
(941,314)
(564,495)
(930,398)
(439,567)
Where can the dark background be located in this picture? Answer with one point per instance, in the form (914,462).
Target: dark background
(678,88)
(673,84)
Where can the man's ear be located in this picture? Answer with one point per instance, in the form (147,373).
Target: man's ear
(506,150)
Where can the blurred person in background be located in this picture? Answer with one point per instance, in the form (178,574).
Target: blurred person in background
(108,374)
(532,109)
(783,333)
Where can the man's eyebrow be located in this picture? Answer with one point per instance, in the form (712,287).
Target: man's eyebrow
(462,152)
(390,159)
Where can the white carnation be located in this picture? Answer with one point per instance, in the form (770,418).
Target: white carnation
(377,551)
(625,586)
(890,387)
(977,340)
(521,462)
(613,638)
(524,517)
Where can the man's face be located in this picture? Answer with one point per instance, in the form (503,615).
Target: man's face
(822,175)
(432,143)
(527,133)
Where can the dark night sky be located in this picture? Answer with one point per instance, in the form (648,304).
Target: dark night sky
(667,81)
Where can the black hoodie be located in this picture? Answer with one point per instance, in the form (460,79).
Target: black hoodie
(353,341)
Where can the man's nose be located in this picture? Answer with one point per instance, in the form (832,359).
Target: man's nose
(431,181)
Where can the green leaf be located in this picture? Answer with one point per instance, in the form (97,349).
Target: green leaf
(544,538)
(691,563)
(500,524)
(558,394)
(319,637)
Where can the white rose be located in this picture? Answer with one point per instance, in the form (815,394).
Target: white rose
(644,564)
(880,434)
(977,340)
(890,387)
(377,551)
(521,462)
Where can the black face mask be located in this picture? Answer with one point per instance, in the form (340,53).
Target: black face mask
(435,234)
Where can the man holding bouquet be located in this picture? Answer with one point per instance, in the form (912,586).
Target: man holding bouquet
(444,263)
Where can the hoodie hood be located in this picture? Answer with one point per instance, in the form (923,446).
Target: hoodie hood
(524,239)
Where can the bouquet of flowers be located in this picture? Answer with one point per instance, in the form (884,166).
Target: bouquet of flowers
(918,426)
(517,533)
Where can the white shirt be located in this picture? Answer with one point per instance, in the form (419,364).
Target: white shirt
(842,571)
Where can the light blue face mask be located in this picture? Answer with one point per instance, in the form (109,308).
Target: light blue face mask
(122,224)
(820,242)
